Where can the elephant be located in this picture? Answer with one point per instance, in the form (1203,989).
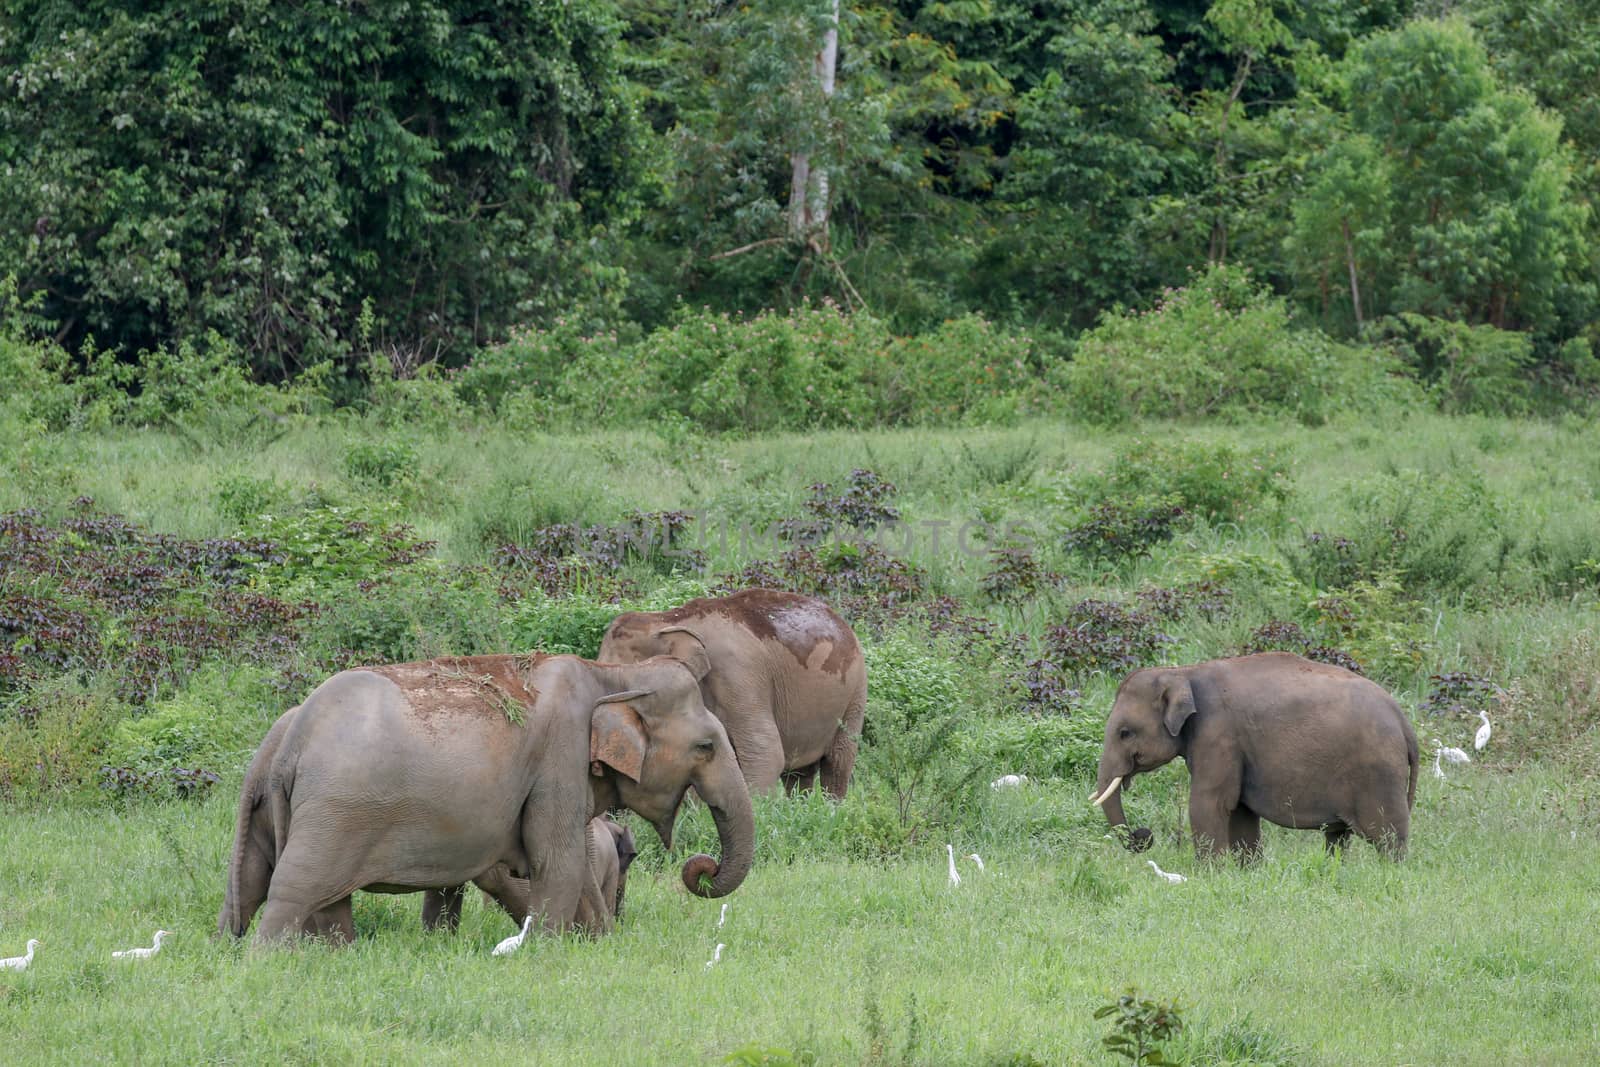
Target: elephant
(611,851)
(1269,736)
(787,679)
(418,776)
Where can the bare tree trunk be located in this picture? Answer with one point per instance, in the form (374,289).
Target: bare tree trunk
(1350,261)
(808,187)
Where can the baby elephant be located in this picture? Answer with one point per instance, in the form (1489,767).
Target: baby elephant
(611,850)
(1270,736)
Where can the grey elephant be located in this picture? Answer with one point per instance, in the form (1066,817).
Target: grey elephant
(787,679)
(423,775)
(611,851)
(1270,736)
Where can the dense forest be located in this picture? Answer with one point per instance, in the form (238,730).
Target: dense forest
(305,187)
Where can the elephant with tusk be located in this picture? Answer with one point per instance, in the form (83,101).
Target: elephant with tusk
(417,776)
(1270,736)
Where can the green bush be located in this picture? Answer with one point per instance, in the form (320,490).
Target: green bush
(1219,346)
(52,737)
(384,464)
(326,546)
(1216,481)
(1465,368)
(965,370)
(240,498)
(212,722)
(573,624)
(417,613)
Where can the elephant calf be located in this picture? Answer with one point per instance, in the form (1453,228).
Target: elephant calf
(1270,736)
(786,678)
(611,851)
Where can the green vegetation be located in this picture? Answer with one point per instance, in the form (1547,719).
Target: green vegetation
(1447,556)
(1051,341)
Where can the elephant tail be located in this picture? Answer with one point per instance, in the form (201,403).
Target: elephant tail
(230,922)
(1414,758)
(839,761)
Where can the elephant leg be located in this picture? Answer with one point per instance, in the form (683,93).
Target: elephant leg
(800,779)
(510,893)
(335,924)
(304,883)
(1335,836)
(1244,834)
(756,745)
(839,762)
(1213,800)
(1386,823)
(555,840)
(442,908)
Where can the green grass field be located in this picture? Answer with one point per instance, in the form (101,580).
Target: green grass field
(846,945)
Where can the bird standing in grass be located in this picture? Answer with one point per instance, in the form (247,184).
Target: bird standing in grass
(975,858)
(723,916)
(715,955)
(1483,732)
(20,963)
(511,944)
(1009,781)
(1175,879)
(142,953)
(955,879)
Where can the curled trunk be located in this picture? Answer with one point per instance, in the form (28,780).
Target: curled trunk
(729,800)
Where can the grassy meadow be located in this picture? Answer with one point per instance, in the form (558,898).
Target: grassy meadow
(1453,559)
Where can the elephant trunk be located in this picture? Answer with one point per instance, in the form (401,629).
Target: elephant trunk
(1108,797)
(729,800)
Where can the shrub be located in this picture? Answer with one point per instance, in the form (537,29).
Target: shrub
(861,581)
(964,369)
(570,624)
(1209,599)
(1014,575)
(383,464)
(1220,345)
(1055,746)
(1435,531)
(1460,693)
(320,547)
(1464,368)
(241,498)
(1118,530)
(181,742)
(51,737)
(1218,482)
(1278,635)
(414,613)
(1044,689)
(1097,636)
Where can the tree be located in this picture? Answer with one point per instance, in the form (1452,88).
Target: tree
(268,170)
(1447,193)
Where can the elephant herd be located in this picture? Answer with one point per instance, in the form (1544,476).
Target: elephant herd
(500,770)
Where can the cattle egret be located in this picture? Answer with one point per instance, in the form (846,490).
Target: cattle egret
(142,953)
(511,944)
(1438,771)
(1175,879)
(722,918)
(20,963)
(955,879)
(975,858)
(715,955)
(1483,732)
(1451,755)
(1009,781)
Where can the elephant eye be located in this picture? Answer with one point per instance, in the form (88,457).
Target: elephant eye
(706,747)
(1125,733)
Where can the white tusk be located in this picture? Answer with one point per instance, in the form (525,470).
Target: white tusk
(1103,797)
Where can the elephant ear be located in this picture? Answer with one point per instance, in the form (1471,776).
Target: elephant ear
(1179,701)
(699,660)
(617,737)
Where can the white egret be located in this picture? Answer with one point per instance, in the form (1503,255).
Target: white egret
(975,858)
(511,944)
(20,963)
(1009,781)
(722,918)
(1175,879)
(955,879)
(142,953)
(715,955)
(1450,754)
(1438,771)
(1483,732)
